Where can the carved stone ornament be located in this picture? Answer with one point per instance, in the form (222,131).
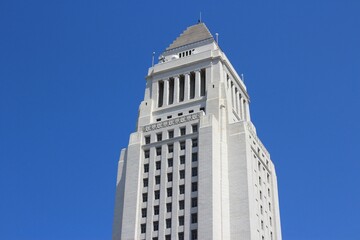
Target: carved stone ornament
(170,122)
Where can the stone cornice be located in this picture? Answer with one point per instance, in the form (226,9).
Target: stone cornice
(171,122)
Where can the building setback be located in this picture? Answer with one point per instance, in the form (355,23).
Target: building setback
(195,168)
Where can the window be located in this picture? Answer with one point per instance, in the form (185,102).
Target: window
(261,209)
(146,168)
(194,128)
(182,159)
(259,166)
(169,177)
(155,238)
(182,189)
(194,157)
(270,220)
(161,93)
(157,179)
(143,228)
(182,174)
(171,133)
(194,172)
(259,180)
(192,85)
(181,220)
(168,207)
(170,148)
(202,109)
(269,192)
(170,162)
(194,202)
(169,117)
(268,178)
(191,111)
(270,207)
(182,88)
(146,182)
(260,193)
(194,234)
(156,225)
(202,82)
(194,142)
(158,151)
(171,90)
(147,153)
(182,145)
(168,237)
(159,137)
(194,187)
(169,192)
(262,224)
(168,223)
(194,218)
(158,165)
(144,197)
(157,194)
(182,131)
(271,236)
(147,139)
(181,236)
(143,212)
(158,119)
(156,210)
(181,205)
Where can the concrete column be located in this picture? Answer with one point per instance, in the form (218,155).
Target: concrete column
(233,95)
(176,89)
(197,84)
(237,101)
(241,110)
(154,94)
(187,87)
(166,92)
(247,109)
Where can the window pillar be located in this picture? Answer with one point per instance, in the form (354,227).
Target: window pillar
(236,101)
(247,109)
(197,83)
(166,92)
(176,89)
(187,86)
(232,94)
(241,106)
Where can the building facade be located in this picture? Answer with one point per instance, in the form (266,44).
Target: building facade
(195,168)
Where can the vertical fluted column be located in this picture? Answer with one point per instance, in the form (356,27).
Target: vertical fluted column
(176,89)
(247,109)
(237,102)
(241,112)
(197,84)
(155,89)
(166,92)
(233,95)
(187,87)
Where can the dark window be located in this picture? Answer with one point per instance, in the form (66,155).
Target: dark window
(171,133)
(182,189)
(182,131)
(194,218)
(181,235)
(157,179)
(168,207)
(157,194)
(194,234)
(170,162)
(181,205)
(170,148)
(202,109)
(158,151)
(168,223)
(192,85)
(194,157)
(181,220)
(182,174)
(156,210)
(169,177)
(169,192)
(147,139)
(171,90)
(194,128)
(143,228)
(158,165)
(147,153)
(168,237)
(144,197)
(161,93)
(156,225)
(155,238)
(182,88)
(194,187)
(182,159)
(143,212)
(146,168)
(202,82)
(194,202)
(159,137)
(182,145)
(194,171)
(146,182)
(194,142)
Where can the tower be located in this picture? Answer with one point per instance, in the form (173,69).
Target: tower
(195,168)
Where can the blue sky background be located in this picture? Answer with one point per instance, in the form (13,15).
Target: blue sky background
(72,77)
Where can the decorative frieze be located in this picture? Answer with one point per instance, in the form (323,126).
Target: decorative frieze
(171,122)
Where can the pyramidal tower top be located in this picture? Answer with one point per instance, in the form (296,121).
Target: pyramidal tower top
(195,167)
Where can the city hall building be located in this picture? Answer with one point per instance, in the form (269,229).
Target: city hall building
(195,167)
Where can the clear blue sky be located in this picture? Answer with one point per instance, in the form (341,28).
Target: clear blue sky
(72,77)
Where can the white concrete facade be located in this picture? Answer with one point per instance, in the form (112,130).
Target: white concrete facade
(195,168)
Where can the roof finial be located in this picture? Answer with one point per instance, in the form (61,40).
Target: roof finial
(217,38)
(153,56)
(199,21)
